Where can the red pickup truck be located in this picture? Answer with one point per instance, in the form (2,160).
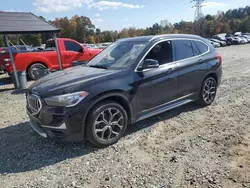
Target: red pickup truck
(69,50)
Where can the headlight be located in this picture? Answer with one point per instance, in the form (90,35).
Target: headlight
(67,100)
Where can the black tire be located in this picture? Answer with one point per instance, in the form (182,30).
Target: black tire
(207,95)
(96,118)
(32,67)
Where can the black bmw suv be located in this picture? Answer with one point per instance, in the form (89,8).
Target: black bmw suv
(131,80)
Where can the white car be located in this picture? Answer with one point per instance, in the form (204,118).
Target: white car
(245,40)
(240,40)
(215,44)
(246,37)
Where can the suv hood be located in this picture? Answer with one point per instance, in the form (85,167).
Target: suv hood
(69,80)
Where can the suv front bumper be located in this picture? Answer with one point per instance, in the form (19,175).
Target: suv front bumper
(57,126)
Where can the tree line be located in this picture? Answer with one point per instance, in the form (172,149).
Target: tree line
(83,30)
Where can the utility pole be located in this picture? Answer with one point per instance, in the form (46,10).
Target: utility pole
(198,12)
(197,16)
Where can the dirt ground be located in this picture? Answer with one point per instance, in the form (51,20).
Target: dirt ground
(185,147)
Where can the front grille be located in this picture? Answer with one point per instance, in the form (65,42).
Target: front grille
(34,104)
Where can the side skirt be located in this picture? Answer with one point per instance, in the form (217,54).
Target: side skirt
(165,107)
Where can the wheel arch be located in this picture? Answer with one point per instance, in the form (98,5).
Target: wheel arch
(211,74)
(116,96)
(34,62)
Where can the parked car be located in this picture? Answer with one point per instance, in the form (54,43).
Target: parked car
(104,45)
(241,41)
(237,33)
(131,80)
(215,44)
(222,43)
(222,38)
(70,50)
(246,34)
(229,42)
(246,37)
(233,40)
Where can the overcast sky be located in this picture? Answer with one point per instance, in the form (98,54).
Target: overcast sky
(118,14)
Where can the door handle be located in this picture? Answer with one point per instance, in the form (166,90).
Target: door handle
(68,55)
(170,70)
(200,61)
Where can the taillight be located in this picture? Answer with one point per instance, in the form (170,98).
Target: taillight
(6,60)
(219,58)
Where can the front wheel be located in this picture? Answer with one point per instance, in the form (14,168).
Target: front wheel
(106,124)
(208,92)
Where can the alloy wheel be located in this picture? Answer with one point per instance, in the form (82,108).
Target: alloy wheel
(108,124)
(209,91)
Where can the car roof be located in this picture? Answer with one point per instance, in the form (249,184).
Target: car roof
(157,37)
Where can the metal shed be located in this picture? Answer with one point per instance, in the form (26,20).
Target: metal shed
(25,23)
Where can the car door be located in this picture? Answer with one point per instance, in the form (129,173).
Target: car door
(74,52)
(156,86)
(191,64)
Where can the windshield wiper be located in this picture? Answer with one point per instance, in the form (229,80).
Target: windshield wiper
(98,66)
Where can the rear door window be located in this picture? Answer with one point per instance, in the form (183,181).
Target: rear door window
(183,49)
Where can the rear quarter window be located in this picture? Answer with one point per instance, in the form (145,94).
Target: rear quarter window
(203,48)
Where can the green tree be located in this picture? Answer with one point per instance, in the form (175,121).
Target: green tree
(32,39)
(235,25)
(245,27)
(91,39)
(84,28)
(132,32)
(98,35)
(123,33)
(107,36)
(184,27)
(149,31)
(157,29)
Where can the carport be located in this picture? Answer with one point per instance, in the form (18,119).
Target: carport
(25,23)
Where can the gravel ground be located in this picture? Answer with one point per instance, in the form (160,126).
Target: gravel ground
(186,147)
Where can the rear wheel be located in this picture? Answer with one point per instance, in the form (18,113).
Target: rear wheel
(208,91)
(106,124)
(31,69)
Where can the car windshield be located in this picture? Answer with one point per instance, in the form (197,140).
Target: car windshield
(118,55)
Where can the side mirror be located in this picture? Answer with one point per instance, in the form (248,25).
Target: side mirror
(81,50)
(149,64)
